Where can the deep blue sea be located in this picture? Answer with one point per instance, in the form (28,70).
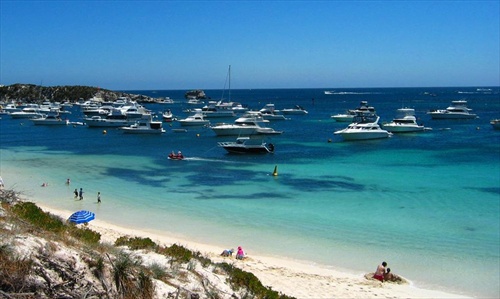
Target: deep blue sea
(427,203)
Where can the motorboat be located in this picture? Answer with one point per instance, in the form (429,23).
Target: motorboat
(248,124)
(211,111)
(145,126)
(52,118)
(297,110)
(495,123)
(457,110)
(174,156)
(168,116)
(116,118)
(268,112)
(368,112)
(247,145)
(363,130)
(30,111)
(404,122)
(196,119)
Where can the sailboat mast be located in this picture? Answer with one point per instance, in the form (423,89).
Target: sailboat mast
(229,95)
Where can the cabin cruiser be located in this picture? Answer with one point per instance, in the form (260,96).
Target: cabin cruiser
(268,112)
(245,125)
(52,118)
(495,123)
(244,145)
(196,119)
(116,118)
(363,130)
(168,116)
(212,112)
(298,110)
(145,126)
(405,121)
(30,111)
(363,110)
(457,110)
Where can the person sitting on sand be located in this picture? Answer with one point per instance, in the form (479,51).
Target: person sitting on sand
(388,276)
(240,254)
(227,252)
(379,273)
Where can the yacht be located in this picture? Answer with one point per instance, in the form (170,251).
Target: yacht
(405,121)
(213,112)
(363,130)
(196,119)
(30,111)
(116,118)
(145,126)
(52,118)
(245,125)
(247,145)
(457,110)
(268,112)
(363,109)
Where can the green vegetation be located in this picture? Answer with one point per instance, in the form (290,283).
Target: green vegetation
(136,243)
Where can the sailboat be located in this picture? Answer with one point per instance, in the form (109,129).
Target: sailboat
(229,105)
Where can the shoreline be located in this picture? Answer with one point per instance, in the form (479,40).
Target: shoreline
(300,279)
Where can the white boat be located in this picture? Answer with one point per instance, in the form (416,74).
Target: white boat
(247,145)
(364,110)
(363,131)
(457,110)
(52,118)
(298,110)
(144,126)
(270,113)
(212,112)
(404,122)
(194,120)
(116,118)
(168,116)
(243,128)
(495,123)
(30,111)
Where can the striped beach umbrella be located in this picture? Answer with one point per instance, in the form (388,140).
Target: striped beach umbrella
(82,216)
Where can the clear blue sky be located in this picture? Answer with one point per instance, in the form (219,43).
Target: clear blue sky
(269,44)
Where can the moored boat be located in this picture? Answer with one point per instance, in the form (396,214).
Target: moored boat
(495,123)
(247,145)
(363,130)
(457,110)
(145,126)
(404,122)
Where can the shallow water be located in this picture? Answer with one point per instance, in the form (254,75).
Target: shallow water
(427,203)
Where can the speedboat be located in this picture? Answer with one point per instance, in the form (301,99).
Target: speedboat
(404,122)
(52,118)
(298,110)
(495,123)
(168,116)
(245,145)
(457,110)
(363,130)
(145,126)
(194,120)
(363,110)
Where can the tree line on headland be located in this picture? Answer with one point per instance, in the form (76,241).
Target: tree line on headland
(30,93)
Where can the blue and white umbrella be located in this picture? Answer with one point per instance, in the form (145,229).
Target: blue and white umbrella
(82,216)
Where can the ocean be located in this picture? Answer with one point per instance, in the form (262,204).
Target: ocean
(427,203)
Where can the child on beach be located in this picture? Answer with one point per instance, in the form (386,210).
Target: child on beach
(76,193)
(227,252)
(81,194)
(240,254)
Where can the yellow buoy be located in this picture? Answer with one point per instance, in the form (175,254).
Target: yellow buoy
(275,172)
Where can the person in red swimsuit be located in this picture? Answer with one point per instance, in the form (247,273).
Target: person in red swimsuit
(379,273)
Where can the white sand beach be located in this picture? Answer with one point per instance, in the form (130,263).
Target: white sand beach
(291,277)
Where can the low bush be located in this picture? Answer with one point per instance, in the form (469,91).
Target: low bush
(136,243)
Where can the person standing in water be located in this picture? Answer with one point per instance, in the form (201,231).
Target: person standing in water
(98,197)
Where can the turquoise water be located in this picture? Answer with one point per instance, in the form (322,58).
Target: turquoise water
(426,203)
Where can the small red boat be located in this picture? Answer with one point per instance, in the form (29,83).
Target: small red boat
(178,156)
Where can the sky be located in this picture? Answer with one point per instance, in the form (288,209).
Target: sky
(153,45)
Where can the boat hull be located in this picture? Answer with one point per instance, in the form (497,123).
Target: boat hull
(403,128)
(364,136)
(452,115)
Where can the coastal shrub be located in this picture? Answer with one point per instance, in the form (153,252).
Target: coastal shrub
(14,272)
(240,279)
(179,253)
(123,273)
(136,243)
(157,270)
(86,235)
(32,213)
(145,286)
